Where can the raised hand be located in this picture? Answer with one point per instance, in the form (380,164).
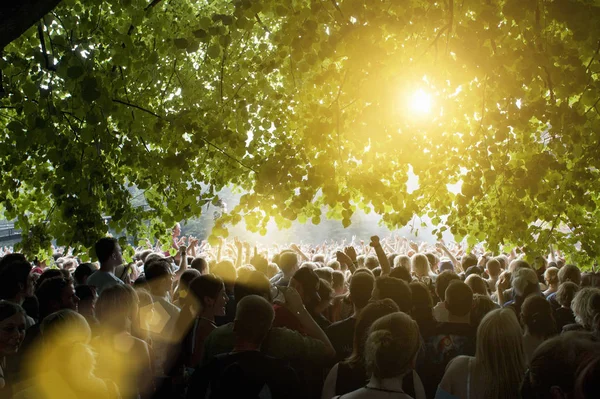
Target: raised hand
(293,300)
(374,241)
(351,253)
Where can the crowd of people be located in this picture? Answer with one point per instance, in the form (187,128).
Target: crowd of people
(384,318)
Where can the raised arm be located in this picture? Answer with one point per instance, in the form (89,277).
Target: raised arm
(293,302)
(302,255)
(383,260)
(456,263)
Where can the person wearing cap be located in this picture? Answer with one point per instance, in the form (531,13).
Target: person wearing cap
(306,282)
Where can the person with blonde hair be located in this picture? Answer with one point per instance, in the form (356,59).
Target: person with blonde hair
(551,279)
(390,354)
(420,268)
(498,368)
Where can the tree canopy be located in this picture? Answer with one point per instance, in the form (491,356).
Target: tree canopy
(306,105)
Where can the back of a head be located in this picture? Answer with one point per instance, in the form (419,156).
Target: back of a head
(442,281)
(524,282)
(187,277)
(9,309)
(536,314)
(551,275)
(260,263)
(420,265)
(85,292)
(50,293)
(361,288)
(500,353)
(401,273)
(493,267)
(309,280)
(82,272)
(421,298)
(115,305)
(402,261)
(587,385)
(256,283)
(518,264)
(288,261)
(392,345)
(105,247)
(200,264)
(14,276)
(433,260)
(478,285)
(468,261)
(253,318)
(325,273)
(585,306)
(482,305)
(396,290)
(204,286)
(555,363)
(370,313)
(371,262)
(226,271)
(569,273)
(156,270)
(459,298)
(565,294)
(65,327)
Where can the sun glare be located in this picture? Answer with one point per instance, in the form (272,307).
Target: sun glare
(420,102)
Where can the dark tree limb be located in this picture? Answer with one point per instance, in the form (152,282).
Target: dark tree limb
(49,66)
(18,16)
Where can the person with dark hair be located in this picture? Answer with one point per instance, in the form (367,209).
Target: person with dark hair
(538,323)
(200,264)
(256,283)
(564,296)
(422,310)
(552,372)
(402,273)
(440,313)
(183,285)
(566,273)
(351,374)
(83,272)
(246,372)
(55,294)
(395,289)
(16,282)
(341,333)
(109,255)
(159,281)
(12,333)
(228,273)
(317,308)
(482,305)
(306,282)
(87,304)
(450,339)
(288,264)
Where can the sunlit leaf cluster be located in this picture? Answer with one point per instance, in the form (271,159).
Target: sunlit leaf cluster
(308,107)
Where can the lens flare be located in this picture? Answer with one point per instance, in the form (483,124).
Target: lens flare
(420,102)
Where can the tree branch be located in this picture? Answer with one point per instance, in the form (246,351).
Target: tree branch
(40,31)
(260,22)
(116,100)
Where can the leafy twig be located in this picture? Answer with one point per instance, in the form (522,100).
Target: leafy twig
(116,100)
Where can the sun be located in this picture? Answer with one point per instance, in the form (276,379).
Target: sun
(420,102)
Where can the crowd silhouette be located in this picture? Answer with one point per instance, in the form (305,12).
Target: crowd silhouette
(385,318)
